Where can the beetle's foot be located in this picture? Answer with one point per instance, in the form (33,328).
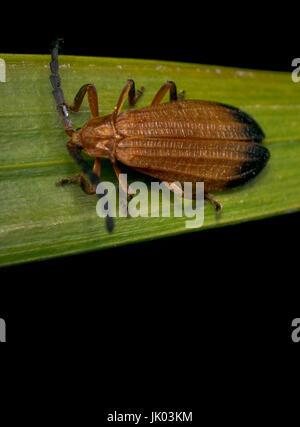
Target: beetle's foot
(216,204)
(80,179)
(138,94)
(181,95)
(65,181)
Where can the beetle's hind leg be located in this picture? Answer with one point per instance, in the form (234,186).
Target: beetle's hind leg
(177,190)
(214,202)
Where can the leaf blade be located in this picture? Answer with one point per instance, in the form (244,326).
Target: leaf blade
(40,220)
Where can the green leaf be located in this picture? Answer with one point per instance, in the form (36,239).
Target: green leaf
(39,220)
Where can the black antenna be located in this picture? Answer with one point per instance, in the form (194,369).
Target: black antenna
(67,123)
(57,90)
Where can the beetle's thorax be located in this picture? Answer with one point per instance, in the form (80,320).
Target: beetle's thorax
(99,137)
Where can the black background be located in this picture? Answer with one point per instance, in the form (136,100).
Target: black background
(241,35)
(157,323)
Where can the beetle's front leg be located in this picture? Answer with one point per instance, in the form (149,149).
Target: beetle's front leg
(82,180)
(90,89)
(171,86)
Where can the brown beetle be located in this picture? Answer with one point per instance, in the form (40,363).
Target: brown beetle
(194,141)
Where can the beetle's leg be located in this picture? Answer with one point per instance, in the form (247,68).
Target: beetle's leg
(82,180)
(75,153)
(91,90)
(216,204)
(125,187)
(171,86)
(177,190)
(181,95)
(133,96)
(122,183)
(62,106)
(172,186)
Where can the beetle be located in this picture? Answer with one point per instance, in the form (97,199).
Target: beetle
(177,141)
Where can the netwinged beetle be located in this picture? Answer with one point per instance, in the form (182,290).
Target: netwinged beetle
(177,141)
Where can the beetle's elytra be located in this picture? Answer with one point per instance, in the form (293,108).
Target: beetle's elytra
(180,140)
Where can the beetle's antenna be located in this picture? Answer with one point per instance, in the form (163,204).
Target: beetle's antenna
(57,90)
(67,122)
(94,179)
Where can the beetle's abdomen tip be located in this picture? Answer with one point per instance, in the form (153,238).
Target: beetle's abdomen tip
(251,128)
(257,158)
(256,155)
